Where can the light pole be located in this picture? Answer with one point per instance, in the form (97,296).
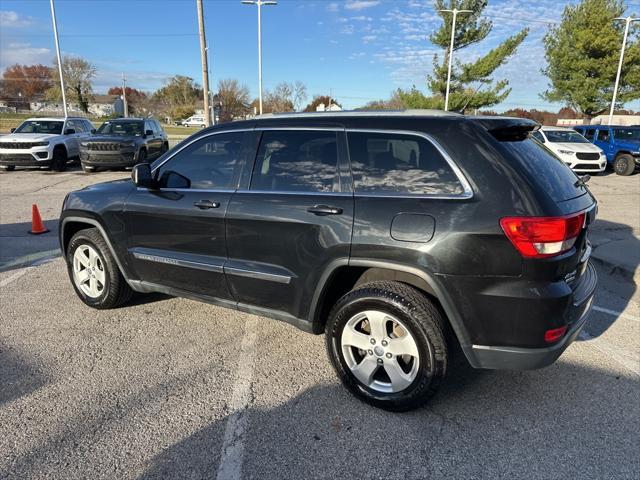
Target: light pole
(55,35)
(455,12)
(205,64)
(628,21)
(259,3)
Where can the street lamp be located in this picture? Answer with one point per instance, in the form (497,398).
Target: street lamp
(628,21)
(260,3)
(455,12)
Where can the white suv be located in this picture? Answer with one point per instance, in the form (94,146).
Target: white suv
(194,121)
(573,149)
(44,142)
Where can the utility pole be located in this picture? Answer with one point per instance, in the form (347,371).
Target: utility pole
(260,3)
(124,95)
(55,35)
(628,21)
(205,65)
(455,12)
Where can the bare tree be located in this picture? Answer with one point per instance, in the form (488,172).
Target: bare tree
(78,74)
(234,99)
(299,94)
(286,97)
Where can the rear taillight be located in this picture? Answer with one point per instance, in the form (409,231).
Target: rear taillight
(540,237)
(553,335)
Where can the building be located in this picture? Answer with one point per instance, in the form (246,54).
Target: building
(625,120)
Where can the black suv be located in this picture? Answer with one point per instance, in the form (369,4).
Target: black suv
(123,143)
(402,236)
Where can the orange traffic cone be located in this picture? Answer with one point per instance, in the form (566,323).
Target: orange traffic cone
(37,227)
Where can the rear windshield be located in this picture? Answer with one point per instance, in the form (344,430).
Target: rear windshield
(544,168)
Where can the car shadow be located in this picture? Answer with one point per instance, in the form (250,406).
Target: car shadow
(18,375)
(18,248)
(616,256)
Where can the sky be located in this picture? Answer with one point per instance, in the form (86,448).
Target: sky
(355,50)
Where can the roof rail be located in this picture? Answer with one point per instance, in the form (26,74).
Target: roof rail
(363,113)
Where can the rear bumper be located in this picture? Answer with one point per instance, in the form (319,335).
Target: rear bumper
(517,358)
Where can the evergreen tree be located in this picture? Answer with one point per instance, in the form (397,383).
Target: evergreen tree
(583,53)
(472,85)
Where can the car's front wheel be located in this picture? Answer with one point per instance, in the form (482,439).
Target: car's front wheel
(386,341)
(624,164)
(94,272)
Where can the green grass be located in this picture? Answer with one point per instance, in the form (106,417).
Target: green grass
(12,120)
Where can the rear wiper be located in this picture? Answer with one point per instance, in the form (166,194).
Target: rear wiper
(582,181)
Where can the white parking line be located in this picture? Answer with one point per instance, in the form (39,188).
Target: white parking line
(230,467)
(14,277)
(614,313)
(623,357)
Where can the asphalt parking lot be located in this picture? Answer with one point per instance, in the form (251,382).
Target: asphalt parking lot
(172,388)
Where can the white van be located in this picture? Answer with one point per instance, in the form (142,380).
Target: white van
(194,121)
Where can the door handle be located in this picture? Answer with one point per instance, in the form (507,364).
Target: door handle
(206,204)
(324,210)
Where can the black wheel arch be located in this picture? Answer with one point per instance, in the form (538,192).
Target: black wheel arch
(343,275)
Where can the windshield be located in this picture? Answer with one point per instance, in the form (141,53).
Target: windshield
(122,128)
(564,136)
(51,127)
(627,134)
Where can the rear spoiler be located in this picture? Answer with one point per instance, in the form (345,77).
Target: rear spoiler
(507,129)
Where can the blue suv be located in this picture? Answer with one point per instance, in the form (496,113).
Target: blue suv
(621,145)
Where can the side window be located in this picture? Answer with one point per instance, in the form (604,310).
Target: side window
(589,133)
(147,126)
(157,128)
(208,163)
(88,126)
(603,135)
(399,163)
(538,136)
(297,161)
(73,124)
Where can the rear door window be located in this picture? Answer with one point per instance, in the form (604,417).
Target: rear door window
(297,161)
(396,163)
(603,135)
(590,133)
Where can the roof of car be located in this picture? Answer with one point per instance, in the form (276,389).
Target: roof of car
(49,119)
(362,113)
(128,119)
(598,125)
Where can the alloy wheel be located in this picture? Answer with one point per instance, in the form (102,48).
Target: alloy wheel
(89,271)
(380,351)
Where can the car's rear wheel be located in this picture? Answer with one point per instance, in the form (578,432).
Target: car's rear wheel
(387,344)
(94,272)
(59,163)
(624,164)
(9,168)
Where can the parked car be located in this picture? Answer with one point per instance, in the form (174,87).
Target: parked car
(44,142)
(194,121)
(402,236)
(123,143)
(621,145)
(573,149)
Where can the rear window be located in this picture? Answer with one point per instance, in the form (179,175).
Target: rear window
(545,169)
(399,163)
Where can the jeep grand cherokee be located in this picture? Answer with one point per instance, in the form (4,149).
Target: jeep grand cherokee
(399,235)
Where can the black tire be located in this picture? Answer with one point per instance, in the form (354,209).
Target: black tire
(9,168)
(59,163)
(115,291)
(87,168)
(142,156)
(423,321)
(624,164)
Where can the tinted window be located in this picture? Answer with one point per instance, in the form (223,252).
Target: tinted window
(205,164)
(88,126)
(158,128)
(538,136)
(543,167)
(590,133)
(75,125)
(398,163)
(627,134)
(603,135)
(116,127)
(300,161)
(565,136)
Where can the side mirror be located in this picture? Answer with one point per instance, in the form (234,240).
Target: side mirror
(70,131)
(141,176)
(13,129)
(93,130)
(149,133)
